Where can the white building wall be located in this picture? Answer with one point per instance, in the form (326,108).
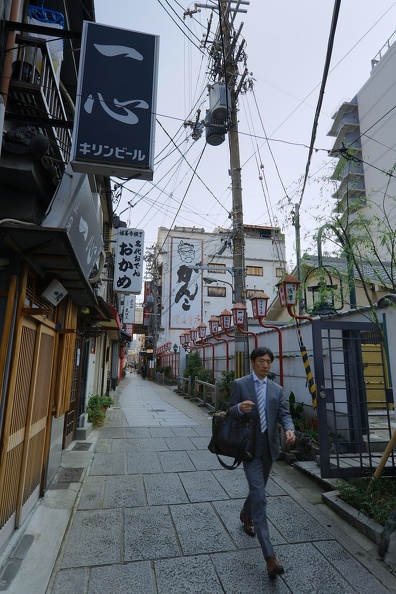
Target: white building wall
(260,252)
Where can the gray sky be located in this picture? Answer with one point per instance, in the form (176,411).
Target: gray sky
(286,49)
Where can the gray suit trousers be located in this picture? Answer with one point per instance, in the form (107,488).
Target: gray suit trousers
(255,506)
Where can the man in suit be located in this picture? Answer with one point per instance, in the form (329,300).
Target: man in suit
(257,397)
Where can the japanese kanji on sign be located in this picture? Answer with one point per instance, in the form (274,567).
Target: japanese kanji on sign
(128,266)
(116,102)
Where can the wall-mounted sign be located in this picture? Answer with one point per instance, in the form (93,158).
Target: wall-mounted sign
(186,286)
(73,208)
(116,102)
(129,309)
(128,266)
(55,292)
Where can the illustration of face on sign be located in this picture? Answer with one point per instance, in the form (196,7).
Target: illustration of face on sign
(186,293)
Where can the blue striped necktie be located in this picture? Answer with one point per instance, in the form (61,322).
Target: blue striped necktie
(261,405)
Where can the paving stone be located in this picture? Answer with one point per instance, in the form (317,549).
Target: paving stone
(113,432)
(94,539)
(143,463)
(92,493)
(245,571)
(107,464)
(295,524)
(233,482)
(137,432)
(185,431)
(273,489)
(202,486)
(149,534)
(199,529)
(201,443)
(205,460)
(190,575)
(70,580)
(355,573)
(133,578)
(103,446)
(303,560)
(164,489)
(161,432)
(205,431)
(175,462)
(153,444)
(125,445)
(179,443)
(124,491)
(229,512)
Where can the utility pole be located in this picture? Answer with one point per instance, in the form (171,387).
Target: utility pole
(296,223)
(227,52)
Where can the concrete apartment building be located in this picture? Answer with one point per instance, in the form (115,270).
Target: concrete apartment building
(366,146)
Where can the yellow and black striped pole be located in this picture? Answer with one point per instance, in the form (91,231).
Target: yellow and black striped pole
(307,367)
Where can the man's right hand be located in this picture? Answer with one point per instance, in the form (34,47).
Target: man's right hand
(246,406)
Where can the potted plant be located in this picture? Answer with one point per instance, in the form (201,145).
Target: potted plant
(96,408)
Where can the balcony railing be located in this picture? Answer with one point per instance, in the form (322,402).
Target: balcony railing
(35,97)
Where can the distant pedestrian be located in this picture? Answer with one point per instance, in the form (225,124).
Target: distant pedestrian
(257,397)
(143,370)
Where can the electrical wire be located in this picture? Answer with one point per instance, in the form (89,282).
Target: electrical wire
(330,44)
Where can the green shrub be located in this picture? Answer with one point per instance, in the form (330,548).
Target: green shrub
(225,385)
(194,369)
(295,409)
(96,408)
(375,499)
(204,375)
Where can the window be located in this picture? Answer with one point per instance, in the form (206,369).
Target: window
(280,272)
(216,268)
(254,271)
(217,292)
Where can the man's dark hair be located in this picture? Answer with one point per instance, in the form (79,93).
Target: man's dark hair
(260,352)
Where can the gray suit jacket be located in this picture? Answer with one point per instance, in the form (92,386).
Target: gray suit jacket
(277,411)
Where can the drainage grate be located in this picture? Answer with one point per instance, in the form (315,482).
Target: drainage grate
(58,486)
(81,447)
(157,410)
(70,475)
(14,562)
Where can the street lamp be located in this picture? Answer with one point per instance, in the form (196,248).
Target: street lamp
(288,295)
(259,303)
(174,360)
(202,335)
(239,315)
(226,321)
(209,281)
(184,342)
(214,329)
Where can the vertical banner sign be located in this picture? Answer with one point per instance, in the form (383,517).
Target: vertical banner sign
(129,309)
(186,288)
(146,310)
(128,266)
(116,102)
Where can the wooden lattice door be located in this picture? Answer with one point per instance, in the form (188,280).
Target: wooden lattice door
(26,423)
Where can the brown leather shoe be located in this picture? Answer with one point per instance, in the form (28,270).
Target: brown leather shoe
(274,568)
(247,524)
